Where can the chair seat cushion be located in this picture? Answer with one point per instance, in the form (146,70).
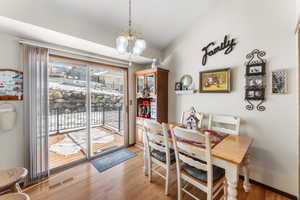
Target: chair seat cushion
(202,175)
(162,155)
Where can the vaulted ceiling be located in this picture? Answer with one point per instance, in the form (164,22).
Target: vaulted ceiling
(160,21)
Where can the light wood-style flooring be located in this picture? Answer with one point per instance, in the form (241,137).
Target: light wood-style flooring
(125,181)
(57,160)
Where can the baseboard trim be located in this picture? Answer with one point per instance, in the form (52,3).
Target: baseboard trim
(285,194)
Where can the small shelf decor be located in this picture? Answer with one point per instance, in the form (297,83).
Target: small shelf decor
(185,91)
(185,86)
(255,79)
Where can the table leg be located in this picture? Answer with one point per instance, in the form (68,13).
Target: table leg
(231,173)
(245,167)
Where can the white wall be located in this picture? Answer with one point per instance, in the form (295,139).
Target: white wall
(267,25)
(11,143)
(298,8)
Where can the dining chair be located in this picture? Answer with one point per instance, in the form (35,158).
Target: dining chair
(224,123)
(158,150)
(192,110)
(194,164)
(230,125)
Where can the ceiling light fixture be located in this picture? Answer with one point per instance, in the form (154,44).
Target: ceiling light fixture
(130,42)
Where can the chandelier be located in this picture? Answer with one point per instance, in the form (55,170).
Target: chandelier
(130,42)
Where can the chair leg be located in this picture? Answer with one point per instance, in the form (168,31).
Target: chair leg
(167,181)
(179,191)
(225,190)
(149,169)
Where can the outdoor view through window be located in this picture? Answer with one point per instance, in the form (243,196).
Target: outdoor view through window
(72,86)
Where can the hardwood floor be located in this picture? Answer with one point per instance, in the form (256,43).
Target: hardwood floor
(122,182)
(56,160)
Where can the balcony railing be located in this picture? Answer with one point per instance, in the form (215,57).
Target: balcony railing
(62,120)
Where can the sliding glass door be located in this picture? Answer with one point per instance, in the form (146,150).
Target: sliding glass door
(107,108)
(86,110)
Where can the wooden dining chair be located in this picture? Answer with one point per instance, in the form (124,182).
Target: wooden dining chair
(224,123)
(158,150)
(194,164)
(186,114)
(230,125)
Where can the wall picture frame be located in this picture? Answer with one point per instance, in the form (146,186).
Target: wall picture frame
(178,86)
(255,94)
(11,85)
(258,69)
(215,81)
(279,82)
(255,82)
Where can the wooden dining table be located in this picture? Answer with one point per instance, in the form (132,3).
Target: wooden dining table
(231,154)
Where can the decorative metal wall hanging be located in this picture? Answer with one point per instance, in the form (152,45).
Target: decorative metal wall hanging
(209,50)
(255,79)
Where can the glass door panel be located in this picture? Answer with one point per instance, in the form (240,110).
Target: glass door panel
(107,109)
(140,85)
(67,91)
(150,82)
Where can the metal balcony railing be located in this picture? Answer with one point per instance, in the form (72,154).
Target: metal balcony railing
(61,120)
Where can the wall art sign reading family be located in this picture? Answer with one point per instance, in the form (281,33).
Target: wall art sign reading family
(211,49)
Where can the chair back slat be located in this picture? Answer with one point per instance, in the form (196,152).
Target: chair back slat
(188,134)
(224,123)
(223,130)
(191,150)
(193,162)
(156,135)
(157,147)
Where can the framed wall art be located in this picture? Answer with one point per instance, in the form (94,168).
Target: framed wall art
(255,94)
(215,81)
(11,84)
(256,69)
(255,82)
(178,86)
(279,82)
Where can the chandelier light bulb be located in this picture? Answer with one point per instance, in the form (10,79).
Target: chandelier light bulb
(121,50)
(137,51)
(141,44)
(122,44)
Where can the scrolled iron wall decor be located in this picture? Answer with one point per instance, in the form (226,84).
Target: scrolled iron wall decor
(255,79)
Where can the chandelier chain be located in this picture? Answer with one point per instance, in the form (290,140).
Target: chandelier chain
(130,20)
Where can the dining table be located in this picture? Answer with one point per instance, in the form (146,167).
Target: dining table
(231,153)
